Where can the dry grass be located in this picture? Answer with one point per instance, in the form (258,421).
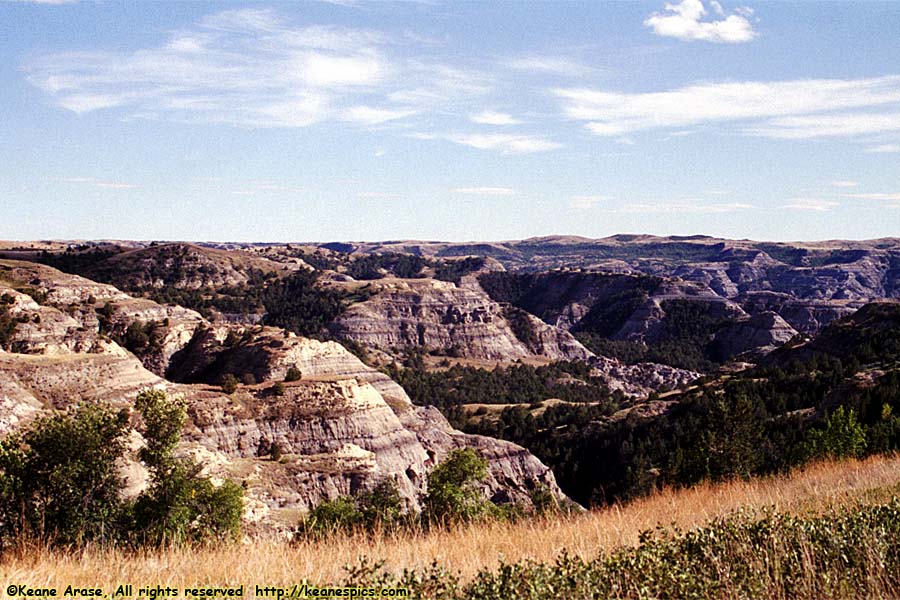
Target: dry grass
(466,550)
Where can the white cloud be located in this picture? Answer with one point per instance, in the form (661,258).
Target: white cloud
(246,67)
(813,204)
(684,207)
(115,185)
(844,184)
(553,65)
(368,115)
(377,195)
(684,22)
(504,143)
(485,191)
(586,202)
(430,85)
(106,185)
(794,109)
(832,125)
(884,149)
(876,196)
(490,117)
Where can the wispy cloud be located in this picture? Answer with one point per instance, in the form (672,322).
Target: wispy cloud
(554,65)
(684,21)
(683,207)
(844,184)
(485,191)
(106,185)
(884,149)
(812,204)
(504,143)
(490,117)
(795,109)
(892,197)
(586,202)
(369,115)
(247,67)
(377,195)
(838,125)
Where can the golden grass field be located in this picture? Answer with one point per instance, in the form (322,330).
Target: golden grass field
(466,550)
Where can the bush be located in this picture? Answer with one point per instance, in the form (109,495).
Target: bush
(229,383)
(276,451)
(452,492)
(293,374)
(59,481)
(330,516)
(379,507)
(848,554)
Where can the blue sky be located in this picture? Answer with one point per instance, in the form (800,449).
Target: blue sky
(356,120)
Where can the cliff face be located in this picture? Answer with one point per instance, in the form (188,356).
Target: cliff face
(343,427)
(438,315)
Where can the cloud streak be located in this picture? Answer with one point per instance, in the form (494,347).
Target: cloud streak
(490,117)
(795,109)
(485,191)
(502,142)
(810,204)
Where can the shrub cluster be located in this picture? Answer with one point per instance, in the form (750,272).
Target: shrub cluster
(453,496)
(854,553)
(60,481)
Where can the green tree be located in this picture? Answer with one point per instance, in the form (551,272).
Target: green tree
(180,504)
(842,437)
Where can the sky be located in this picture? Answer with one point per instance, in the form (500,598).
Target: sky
(432,120)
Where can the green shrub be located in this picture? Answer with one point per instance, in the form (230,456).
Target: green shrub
(849,554)
(330,516)
(7,323)
(59,480)
(293,374)
(380,507)
(276,451)
(452,488)
(229,383)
